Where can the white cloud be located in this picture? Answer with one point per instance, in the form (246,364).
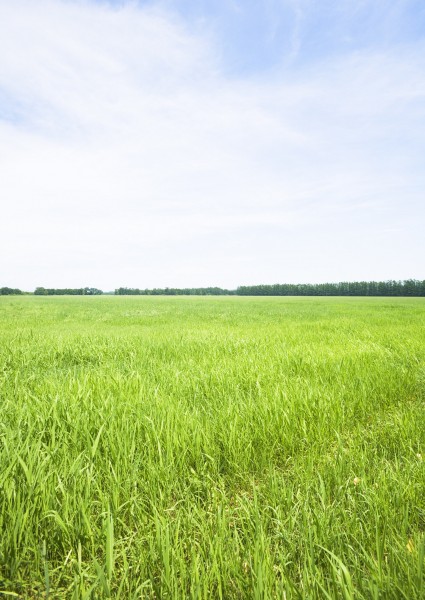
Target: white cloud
(130,159)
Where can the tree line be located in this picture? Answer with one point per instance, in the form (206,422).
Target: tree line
(7,291)
(208,291)
(87,291)
(408,287)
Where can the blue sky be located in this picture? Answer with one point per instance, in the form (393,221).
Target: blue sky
(258,35)
(180,143)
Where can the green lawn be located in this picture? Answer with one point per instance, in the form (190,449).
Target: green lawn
(212,447)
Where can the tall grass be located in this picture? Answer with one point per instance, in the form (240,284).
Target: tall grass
(212,448)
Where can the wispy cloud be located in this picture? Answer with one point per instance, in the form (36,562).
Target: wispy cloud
(128,156)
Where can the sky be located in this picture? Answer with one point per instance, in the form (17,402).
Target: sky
(186,143)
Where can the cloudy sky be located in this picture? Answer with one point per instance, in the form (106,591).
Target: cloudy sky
(211,142)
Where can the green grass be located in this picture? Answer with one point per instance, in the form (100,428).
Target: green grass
(212,448)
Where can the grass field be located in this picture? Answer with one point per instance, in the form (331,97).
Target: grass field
(212,448)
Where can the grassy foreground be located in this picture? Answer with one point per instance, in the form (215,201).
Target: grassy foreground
(212,448)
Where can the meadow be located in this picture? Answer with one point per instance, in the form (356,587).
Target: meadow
(230,448)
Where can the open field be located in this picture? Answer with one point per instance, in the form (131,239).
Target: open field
(212,447)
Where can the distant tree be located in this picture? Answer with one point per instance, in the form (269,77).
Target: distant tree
(40,291)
